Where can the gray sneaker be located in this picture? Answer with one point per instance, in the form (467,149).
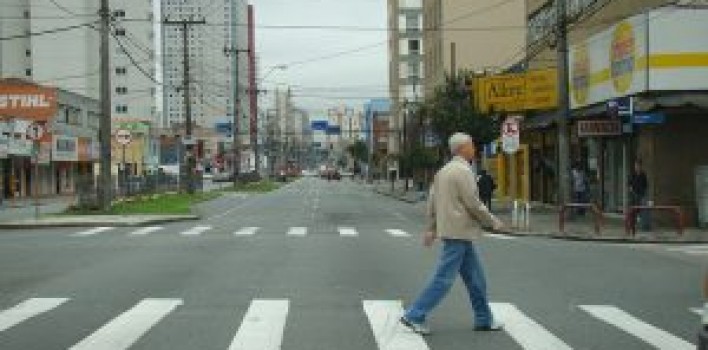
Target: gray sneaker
(495,326)
(418,328)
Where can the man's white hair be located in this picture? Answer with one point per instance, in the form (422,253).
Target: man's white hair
(456,140)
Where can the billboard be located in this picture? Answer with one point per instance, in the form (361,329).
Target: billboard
(28,101)
(661,50)
(534,90)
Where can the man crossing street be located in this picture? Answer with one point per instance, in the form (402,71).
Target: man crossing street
(455,213)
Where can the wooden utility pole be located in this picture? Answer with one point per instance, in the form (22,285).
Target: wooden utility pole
(228,51)
(105,185)
(563,104)
(190,161)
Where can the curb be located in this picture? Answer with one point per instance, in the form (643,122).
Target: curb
(116,223)
(601,239)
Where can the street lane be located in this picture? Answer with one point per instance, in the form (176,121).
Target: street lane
(358,249)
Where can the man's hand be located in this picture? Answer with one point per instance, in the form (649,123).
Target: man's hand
(501,227)
(428,239)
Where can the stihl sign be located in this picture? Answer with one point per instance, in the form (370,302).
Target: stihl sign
(27,101)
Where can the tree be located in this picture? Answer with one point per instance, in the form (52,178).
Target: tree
(451,109)
(358,151)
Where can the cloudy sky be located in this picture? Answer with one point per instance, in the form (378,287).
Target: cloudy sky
(327,67)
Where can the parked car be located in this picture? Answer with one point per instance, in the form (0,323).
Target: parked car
(223,177)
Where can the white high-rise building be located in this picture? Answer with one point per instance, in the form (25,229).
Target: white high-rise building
(69,58)
(213,48)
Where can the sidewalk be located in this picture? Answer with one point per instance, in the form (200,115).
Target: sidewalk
(544,222)
(24,208)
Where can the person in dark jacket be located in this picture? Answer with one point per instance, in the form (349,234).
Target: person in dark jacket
(638,193)
(486,186)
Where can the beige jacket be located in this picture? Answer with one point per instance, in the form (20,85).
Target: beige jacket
(454,208)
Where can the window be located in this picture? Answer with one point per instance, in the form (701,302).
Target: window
(412,22)
(119,13)
(28,72)
(414,47)
(120,32)
(26,14)
(413,69)
(121,90)
(28,53)
(121,109)
(121,71)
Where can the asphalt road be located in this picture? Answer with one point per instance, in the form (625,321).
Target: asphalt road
(326,265)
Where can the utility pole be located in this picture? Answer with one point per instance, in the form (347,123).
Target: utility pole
(190,161)
(237,110)
(105,185)
(563,104)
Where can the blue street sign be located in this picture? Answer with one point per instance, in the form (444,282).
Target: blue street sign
(649,118)
(333,130)
(319,125)
(223,128)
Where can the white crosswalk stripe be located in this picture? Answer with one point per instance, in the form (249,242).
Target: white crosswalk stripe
(648,333)
(297,231)
(246,231)
(389,333)
(525,331)
(397,233)
(124,330)
(348,232)
(146,230)
(262,326)
(92,232)
(498,236)
(26,310)
(696,310)
(701,249)
(197,230)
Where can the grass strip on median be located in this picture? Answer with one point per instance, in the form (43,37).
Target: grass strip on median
(169,203)
(253,187)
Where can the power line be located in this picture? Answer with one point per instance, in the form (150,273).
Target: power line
(48,31)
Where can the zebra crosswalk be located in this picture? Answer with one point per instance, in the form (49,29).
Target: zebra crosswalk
(266,320)
(248,231)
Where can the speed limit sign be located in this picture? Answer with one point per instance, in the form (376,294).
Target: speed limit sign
(35,131)
(123,136)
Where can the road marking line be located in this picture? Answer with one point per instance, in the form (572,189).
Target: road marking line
(525,331)
(348,232)
(689,248)
(262,326)
(397,233)
(124,330)
(297,231)
(146,230)
(246,231)
(93,231)
(650,334)
(498,236)
(197,230)
(696,310)
(26,310)
(388,331)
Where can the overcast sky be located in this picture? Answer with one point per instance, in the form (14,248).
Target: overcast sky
(323,83)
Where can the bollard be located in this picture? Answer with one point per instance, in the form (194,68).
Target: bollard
(527,217)
(515,214)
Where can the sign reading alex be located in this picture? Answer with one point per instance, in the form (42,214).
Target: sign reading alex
(28,101)
(534,90)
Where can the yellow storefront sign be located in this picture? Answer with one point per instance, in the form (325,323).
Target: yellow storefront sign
(517,92)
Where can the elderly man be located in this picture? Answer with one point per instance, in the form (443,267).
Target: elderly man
(455,213)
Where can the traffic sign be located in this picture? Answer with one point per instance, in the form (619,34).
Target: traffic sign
(35,131)
(510,135)
(123,136)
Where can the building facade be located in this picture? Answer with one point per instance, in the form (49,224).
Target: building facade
(406,70)
(638,57)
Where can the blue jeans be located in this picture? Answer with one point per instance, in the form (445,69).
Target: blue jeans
(458,256)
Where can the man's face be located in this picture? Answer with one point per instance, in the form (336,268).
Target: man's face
(467,151)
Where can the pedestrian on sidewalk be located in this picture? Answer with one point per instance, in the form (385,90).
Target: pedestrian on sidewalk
(486,186)
(580,187)
(638,193)
(455,213)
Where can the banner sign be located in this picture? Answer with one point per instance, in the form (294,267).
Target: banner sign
(23,100)
(534,90)
(592,128)
(319,125)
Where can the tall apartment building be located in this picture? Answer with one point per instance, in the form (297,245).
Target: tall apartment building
(406,71)
(216,70)
(482,35)
(70,59)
